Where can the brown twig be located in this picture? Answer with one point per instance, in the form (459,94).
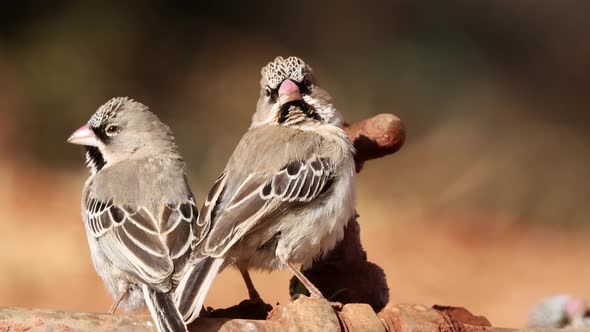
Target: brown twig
(376,137)
(302,315)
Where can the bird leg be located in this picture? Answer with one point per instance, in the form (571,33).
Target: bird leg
(314,292)
(118,301)
(252,292)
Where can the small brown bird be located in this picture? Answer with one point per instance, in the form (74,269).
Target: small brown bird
(560,311)
(137,207)
(286,193)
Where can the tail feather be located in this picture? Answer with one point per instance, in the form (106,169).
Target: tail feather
(194,286)
(163,310)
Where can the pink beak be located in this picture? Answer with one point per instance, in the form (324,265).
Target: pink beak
(83,136)
(289,91)
(575,307)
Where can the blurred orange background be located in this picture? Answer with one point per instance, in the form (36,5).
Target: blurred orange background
(486,206)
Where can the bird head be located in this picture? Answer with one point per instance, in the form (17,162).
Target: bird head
(290,96)
(122,128)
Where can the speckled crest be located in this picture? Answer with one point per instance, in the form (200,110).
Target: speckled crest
(281,69)
(108,110)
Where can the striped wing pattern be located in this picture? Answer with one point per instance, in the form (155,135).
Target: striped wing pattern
(298,182)
(137,241)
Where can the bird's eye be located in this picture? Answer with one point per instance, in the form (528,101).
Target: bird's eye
(113,130)
(267,92)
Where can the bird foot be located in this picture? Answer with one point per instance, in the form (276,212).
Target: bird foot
(113,308)
(335,305)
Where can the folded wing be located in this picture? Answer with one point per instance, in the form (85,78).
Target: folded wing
(134,240)
(258,196)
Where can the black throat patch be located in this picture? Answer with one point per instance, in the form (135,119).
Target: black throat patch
(295,109)
(94,158)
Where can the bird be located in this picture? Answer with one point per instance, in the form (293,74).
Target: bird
(560,311)
(137,207)
(286,194)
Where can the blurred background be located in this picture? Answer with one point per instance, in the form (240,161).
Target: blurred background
(486,206)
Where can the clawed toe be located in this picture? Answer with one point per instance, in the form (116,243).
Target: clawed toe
(336,305)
